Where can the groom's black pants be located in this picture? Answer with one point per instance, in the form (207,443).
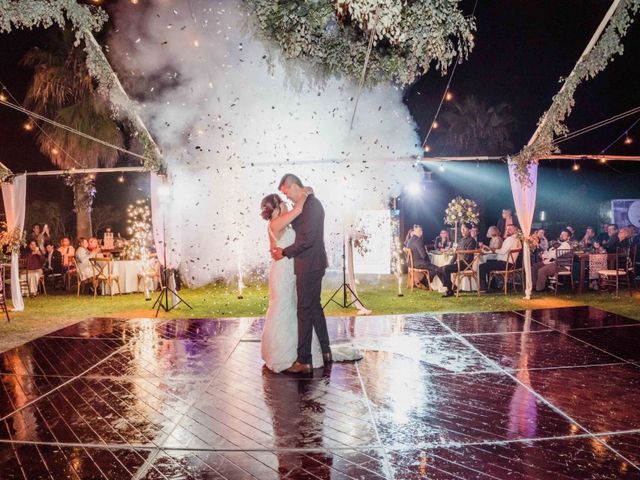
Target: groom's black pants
(310,314)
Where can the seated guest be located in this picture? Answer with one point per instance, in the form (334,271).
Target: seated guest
(588,238)
(443,242)
(506,220)
(408,236)
(466,243)
(543,243)
(67,251)
(35,264)
(495,239)
(572,232)
(474,233)
(93,247)
(85,269)
(603,236)
(635,238)
(541,271)
(612,240)
(500,263)
(53,260)
(623,241)
(39,234)
(420,256)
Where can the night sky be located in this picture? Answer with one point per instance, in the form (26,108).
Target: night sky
(522,49)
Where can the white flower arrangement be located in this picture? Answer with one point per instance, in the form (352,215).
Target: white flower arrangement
(461,210)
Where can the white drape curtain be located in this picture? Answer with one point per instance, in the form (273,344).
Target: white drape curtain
(14,195)
(524,198)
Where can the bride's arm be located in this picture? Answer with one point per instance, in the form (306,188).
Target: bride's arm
(279,223)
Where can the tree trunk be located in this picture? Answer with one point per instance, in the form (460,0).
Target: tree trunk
(83,193)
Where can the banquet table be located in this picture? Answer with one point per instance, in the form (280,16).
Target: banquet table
(591,263)
(442,259)
(128,271)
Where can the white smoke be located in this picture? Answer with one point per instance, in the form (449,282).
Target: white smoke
(223,107)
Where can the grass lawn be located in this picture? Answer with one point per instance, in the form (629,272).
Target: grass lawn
(46,314)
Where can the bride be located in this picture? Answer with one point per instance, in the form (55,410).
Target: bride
(280,333)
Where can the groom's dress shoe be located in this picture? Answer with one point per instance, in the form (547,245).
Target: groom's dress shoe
(298,367)
(327,358)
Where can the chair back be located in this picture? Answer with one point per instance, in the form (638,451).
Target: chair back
(512,258)
(409,254)
(564,260)
(466,265)
(22,263)
(102,267)
(623,259)
(2,282)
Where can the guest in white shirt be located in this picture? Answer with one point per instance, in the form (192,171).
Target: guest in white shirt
(541,271)
(85,269)
(502,259)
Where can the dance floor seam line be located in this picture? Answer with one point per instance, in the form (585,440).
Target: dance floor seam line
(542,398)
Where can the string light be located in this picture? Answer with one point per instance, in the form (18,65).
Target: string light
(28,126)
(448,97)
(441,168)
(135,2)
(121,179)
(427,148)
(603,160)
(196,43)
(3,97)
(435,124)
(139,227)
(54,151)
(628,140)
(576,166)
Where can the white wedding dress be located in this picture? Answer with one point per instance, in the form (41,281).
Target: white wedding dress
(280,333)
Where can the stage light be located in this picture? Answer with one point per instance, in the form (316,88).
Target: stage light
(448,97)
(435,124)
(543,216)
(414,189)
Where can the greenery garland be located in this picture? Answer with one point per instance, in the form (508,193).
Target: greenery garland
(552,121)
(84,20)
(334,34)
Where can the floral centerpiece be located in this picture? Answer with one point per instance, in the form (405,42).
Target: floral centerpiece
(461,210)
(13,239)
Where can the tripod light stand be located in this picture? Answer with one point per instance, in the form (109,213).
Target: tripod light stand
(163,299)
(345,286)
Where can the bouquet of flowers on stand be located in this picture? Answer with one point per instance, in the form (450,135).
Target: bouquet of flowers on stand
(461,210)
(11,241)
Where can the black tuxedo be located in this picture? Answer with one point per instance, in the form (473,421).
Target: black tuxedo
(309,264)
(421,258)
(53,265)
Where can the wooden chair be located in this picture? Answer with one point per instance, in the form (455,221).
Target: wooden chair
(153,273)
(103,275)
(620,271)
(510,271)
(467,269)
(3,294)
(412,271)
(73,273)
(22,275)
(41,284)
(564,269)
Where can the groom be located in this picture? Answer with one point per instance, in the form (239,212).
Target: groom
(309,264)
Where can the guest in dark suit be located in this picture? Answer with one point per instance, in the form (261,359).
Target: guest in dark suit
(466,243)
(52,260)
(420,257)
(309,265)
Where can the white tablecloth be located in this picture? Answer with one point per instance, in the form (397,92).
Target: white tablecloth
(441,259)
(128,271)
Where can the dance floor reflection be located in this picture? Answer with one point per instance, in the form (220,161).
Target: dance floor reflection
(542,394)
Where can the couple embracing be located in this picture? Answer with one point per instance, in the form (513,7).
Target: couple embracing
(295,337)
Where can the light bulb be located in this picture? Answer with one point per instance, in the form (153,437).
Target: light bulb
(448,97)
(435,124)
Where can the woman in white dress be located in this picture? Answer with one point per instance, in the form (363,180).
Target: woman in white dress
(280,334)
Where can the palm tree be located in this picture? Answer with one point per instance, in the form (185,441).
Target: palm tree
(473,128)
(62,89)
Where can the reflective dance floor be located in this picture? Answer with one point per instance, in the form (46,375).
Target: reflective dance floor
(544,394)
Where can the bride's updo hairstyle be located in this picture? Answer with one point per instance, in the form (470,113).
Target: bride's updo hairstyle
(269,204)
